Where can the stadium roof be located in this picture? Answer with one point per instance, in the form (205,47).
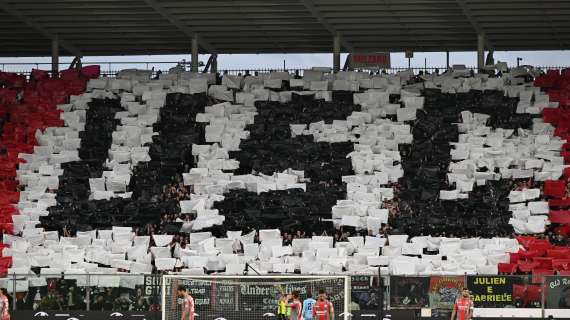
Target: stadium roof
(126,27)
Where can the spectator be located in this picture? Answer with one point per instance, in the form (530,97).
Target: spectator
(289,240)
(21,301)
(98,304)
(286,241)
(72,302)
(37,300)
(108,300)
(122,303)
(297,75)
(560,240)
(186,225)
(336,237)
(141,304)
(50,302)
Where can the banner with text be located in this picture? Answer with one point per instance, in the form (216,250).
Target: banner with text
(443,291)
(557,292)
(409,292)
(493,291)
(369,60)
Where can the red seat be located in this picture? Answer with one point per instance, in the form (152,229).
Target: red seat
(540,245)
(91,72)
(5,262)
(566,156)
(563,230)
(551,115)
(9,197)
(7,228)
(514,257)
(507,268)
(553,73)
(5,218)
(2,246)
(525,241)
(559,253)
(8,96)
(560,216)
(39,74)
(12,80)
(526,267)
(529,255)
(561,203)
(8,185)
(555,188)
(544,262)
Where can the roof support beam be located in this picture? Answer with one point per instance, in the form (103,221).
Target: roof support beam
(55,57)
(195,57)
(317,15)
(480,52)
(179,24)
(4,6)
(336,53)
(478,29)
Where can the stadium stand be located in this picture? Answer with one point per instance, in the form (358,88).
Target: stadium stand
(446,174)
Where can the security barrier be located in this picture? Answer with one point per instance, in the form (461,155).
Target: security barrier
(110,68)
(100,295)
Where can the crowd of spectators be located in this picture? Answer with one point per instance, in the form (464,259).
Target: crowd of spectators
(65,294)
(62,294)
(177,191)
(183,222)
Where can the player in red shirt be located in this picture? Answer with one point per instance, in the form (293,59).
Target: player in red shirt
(463,306)
(296,307)
(188,309)
(331,308)
(322,310)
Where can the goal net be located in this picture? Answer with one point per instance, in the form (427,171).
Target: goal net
(249,297)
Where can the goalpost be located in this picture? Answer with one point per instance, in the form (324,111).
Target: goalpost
(249,297)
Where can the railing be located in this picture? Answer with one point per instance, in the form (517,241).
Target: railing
(110,68)
(132,293)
